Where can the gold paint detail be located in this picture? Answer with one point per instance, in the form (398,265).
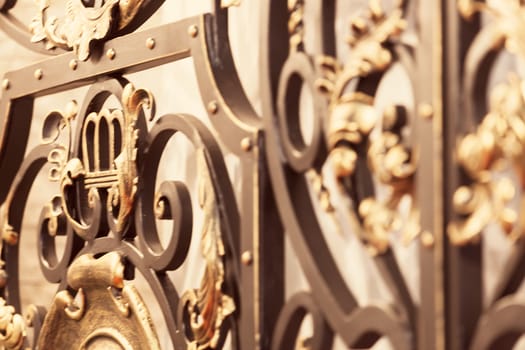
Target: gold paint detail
(123,320)
(352,117)
(150,43)
(12,327)
(208,306)
(80,25)
(230,3)
(193,30)
(121,178)
(6,84)
(498,141)
(111,53)
(296,24)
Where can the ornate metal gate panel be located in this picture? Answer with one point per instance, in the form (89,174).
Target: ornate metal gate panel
(361,207)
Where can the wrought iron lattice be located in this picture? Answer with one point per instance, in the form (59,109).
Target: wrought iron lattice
(432,177)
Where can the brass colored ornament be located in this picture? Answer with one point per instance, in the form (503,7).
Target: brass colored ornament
(499,138)
(12,327)
(105,313)
(207,307)
(352,118)
(81,25)
(120,178)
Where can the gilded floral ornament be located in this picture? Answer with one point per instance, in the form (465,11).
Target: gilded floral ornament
(81,25)
(352,118)
(498,139)
(208,307)
(12,327)
(508,26)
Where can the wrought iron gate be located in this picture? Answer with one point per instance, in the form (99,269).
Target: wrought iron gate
(359,207)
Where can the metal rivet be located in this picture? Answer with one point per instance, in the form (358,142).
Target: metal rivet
(246,144)
(213,107)
(247,258)
(6,84)
(426,111)
(150,43)
(73,64)
(110,53)
(193,30)
(39,74)
(427,239)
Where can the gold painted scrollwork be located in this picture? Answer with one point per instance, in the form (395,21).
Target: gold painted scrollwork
(352,118)
(81,25)
(207,307)
(104,313)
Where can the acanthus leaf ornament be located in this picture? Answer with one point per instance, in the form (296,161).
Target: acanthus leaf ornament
(206,308)
(81,25)
(352,118)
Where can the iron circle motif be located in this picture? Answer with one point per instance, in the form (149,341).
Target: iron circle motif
(297,72)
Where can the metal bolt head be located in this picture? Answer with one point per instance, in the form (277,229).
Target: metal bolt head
(193,30)
(150,43)
(6,84)
(427,239)
(73,64)
(247,258)
(110,53)
(246,144)
(213,107)
(425,110)
(39,74)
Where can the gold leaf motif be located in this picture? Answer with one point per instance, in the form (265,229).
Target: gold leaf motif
(352,117)
(499,138)
(121,178)
(208,306)
(80,25)
(12,327)
(230,3)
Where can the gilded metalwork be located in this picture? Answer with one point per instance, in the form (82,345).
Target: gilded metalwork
(208,306)
(295,24)
(353,117)
(500,137)
(81,25)
(104,313)
(119,172)
(12,327)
